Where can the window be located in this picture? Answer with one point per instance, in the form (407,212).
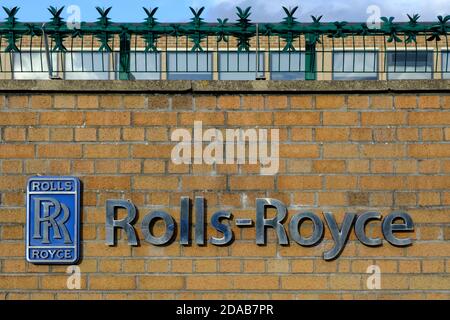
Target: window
(28,65)
(189,66)
(445,64)
(409,65)
(355,65)
(239,65)
(287,65)
(87,66)
(143,65)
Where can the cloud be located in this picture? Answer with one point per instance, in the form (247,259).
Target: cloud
(349,10)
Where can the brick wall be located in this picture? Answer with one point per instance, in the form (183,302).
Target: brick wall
(345,147)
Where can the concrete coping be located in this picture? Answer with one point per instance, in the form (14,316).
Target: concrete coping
(222,87)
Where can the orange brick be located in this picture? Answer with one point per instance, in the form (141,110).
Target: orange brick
(154,166)
(61,118)
(405,102)
(330,102)
(299,151)
(340,118)
(383,118)
(301,134)
(182,102)
(381,102)
(107,183)
(203,183)
(383,151)
(18,102)
(17,118)
(18,282)
(249,118)
(87,102)
(108,118)
(134,101)
(336,150)
(382,183)
(152,151)
(253,282)
(58,151)
(205,102)
(106,151)
(104,282)
(302,266)
(253,102)
(297,118)
(432,134)
(206,266)
(38,134)
(61,134)
(64,101)
(329,166)
(299,182)
(277,102)
(210,282)
(133,134)
(16,151)
(429,118)
(358,102)
(360,134)
(340,182)
(85,134)
(251,183)
(109,134)
(156,183)
(160,283)
(13,232)
(408,134)
(332,134)
(301,102)
(14,134)
(154,118)
(41,102)
(130,166)
(207,118)
(229,102)
(158,101)
(304,282)
(110,101)
(428,151)
(429,102)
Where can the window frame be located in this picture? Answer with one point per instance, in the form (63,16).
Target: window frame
(235,51)
(272,73)
(413,50)
(209,56)
(376,51)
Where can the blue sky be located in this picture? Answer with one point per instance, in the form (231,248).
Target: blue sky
(264,10)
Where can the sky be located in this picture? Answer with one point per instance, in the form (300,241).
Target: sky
(263,10)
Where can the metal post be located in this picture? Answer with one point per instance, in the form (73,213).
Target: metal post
(47,54)
(124,60)
(310,58)
(257,76)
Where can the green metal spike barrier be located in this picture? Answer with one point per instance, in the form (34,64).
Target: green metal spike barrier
(197,31)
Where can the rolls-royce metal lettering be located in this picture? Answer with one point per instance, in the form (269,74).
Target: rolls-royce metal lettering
(222,222)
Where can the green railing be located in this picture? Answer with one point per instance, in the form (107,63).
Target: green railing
(239,49)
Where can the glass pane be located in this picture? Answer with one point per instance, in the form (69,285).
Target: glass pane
(189,66)
(446,64)
(356,65)
(143,65)
(239,65)
(287,65)
(32,65)
(86,66)
(410,65)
